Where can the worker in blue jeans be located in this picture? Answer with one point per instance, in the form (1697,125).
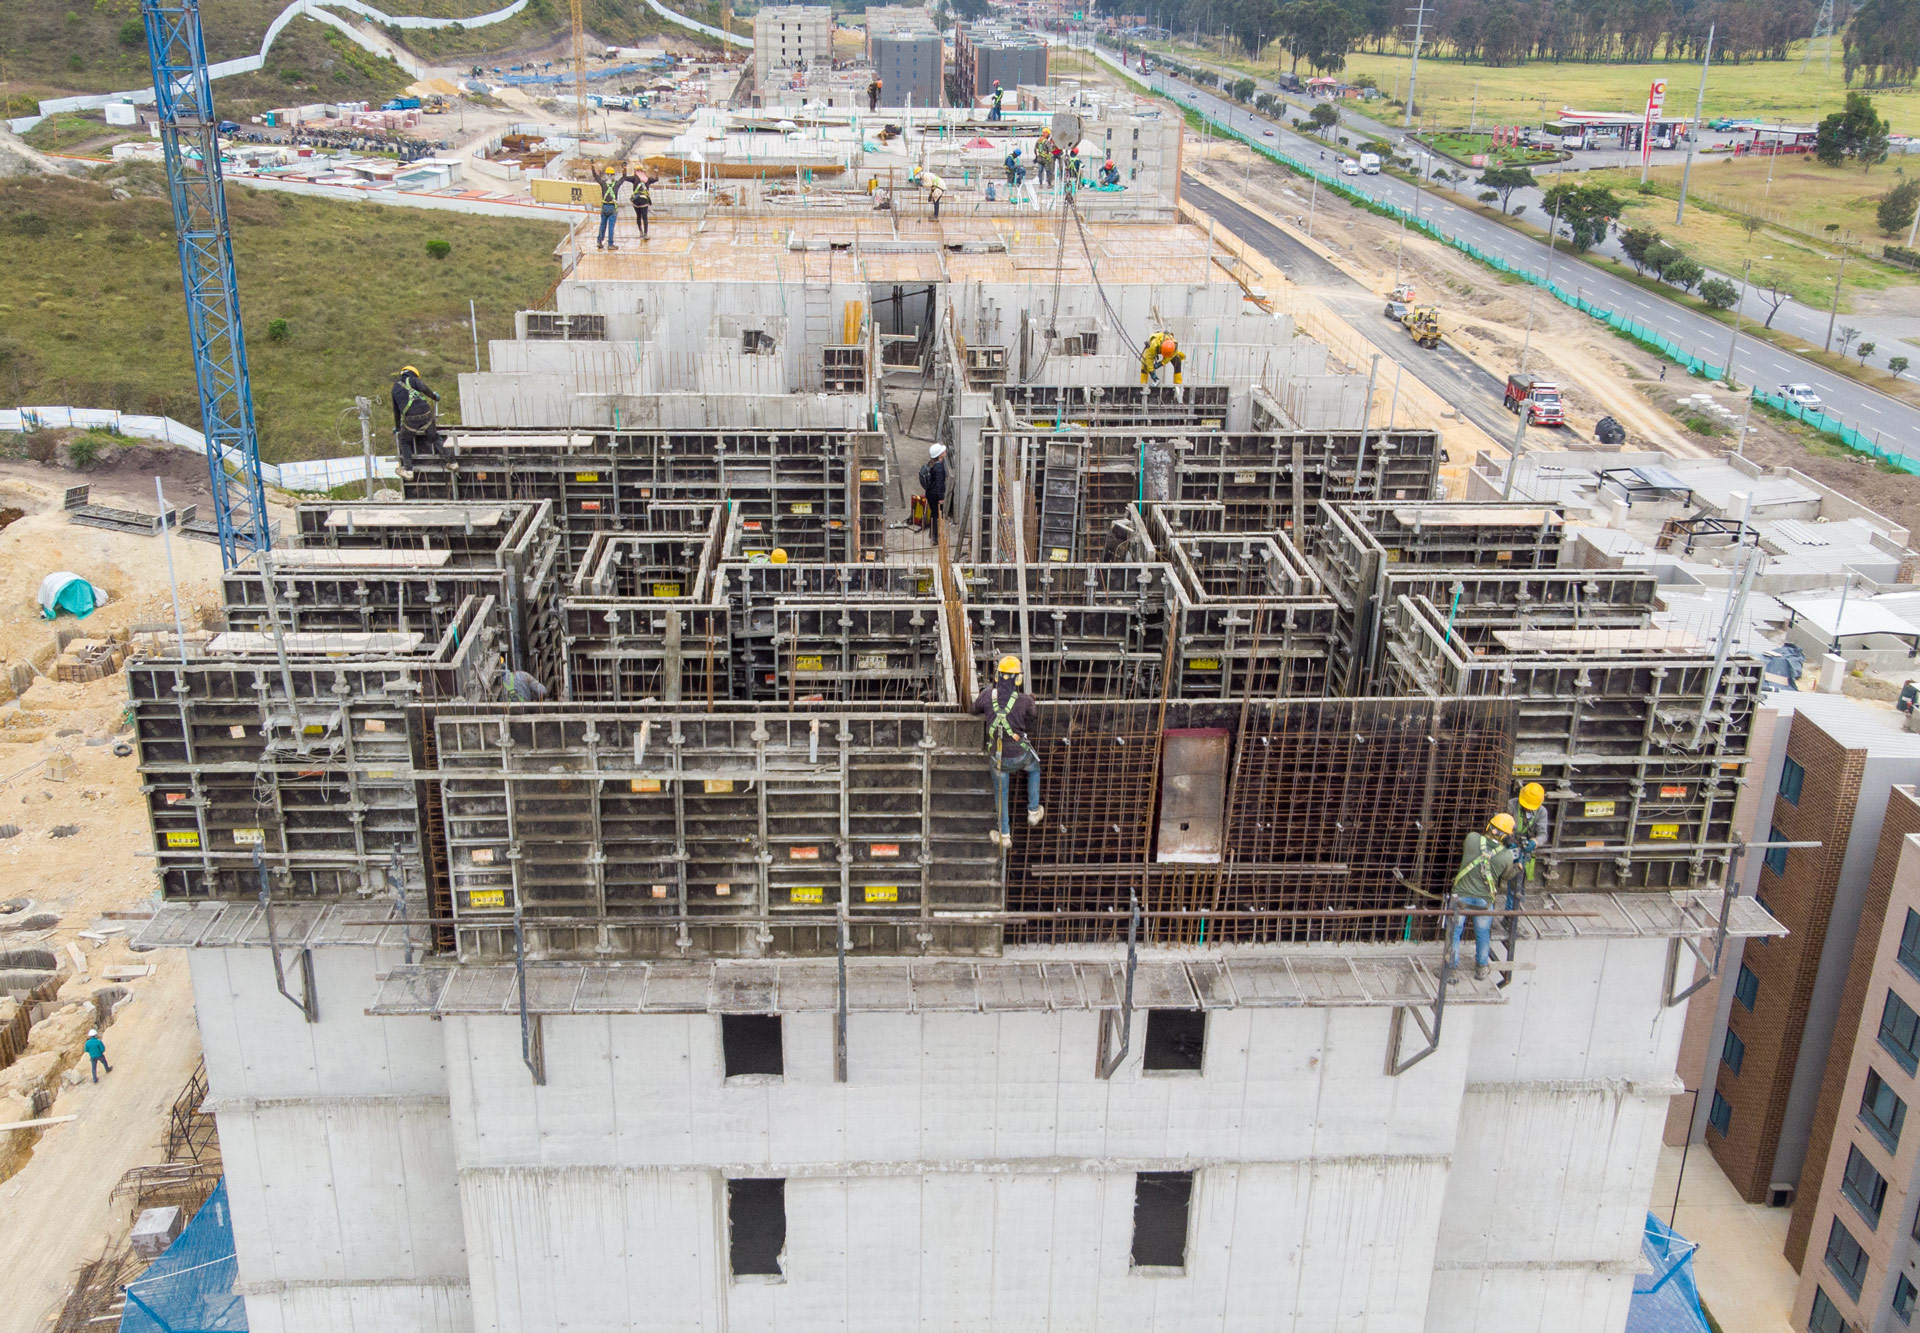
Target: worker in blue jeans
(97,1053)
(1009,712)
(1485,860)
(609,207)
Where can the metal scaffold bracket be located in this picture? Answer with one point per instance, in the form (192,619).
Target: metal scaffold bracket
(1113,1053)
(308,1001)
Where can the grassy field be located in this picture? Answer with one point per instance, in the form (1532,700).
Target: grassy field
(91,312)
(1464,146)
(1804,195)
(1528,94)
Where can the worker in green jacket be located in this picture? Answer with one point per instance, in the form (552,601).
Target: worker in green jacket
(1531,827)
(1485,859)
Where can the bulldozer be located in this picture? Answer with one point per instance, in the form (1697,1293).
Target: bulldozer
(1422,322)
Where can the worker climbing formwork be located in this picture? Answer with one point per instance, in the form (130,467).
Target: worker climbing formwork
(1009,713)
(416,411)
(1161,349)
(1485,859)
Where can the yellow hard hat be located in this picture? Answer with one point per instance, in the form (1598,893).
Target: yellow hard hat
(779,556)
(609,170)
(1503,822)
(409,370)
(1009,665)
(1531,795)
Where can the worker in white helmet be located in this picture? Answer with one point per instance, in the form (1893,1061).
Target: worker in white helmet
(1009,713)
(934,486)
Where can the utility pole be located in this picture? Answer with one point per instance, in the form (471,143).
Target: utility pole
(1413,68)
(1473,117)
(1699,108)
(1834,310)
(1735,340)
(1553,235)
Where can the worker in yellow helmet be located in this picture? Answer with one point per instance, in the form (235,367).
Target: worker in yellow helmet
(1009,713)
(778,556)
(1160,349)
(416,410)
(609,207)
(1485,859)
(1531,828)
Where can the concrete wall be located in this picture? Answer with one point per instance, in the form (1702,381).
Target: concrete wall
(338,1150)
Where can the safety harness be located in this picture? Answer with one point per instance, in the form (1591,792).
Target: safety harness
(415,398)
(1482,863)
(609,192)
(1000,730)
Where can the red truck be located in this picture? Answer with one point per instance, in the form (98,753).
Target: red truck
(1542,398)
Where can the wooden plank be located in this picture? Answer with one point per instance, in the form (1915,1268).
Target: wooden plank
(41,1123)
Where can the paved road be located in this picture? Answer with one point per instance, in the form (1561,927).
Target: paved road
(1894,423)
(1449,372)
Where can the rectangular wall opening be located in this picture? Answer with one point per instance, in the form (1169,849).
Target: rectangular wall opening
(757,1226)
(751,1044)
(1160,1200)
(1176,1041)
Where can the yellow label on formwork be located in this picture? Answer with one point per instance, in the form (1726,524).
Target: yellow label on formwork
(812,893)
(586,476)
(483,898)
(1665,833)
(644,784)
(1599,809)
(1526,770)
(717,786)
(870,661)
(808,664)
(801,507)
(1245,478)
(882,893)
(869,474)
(1059,555)
(1203,664)
(666,590)
(183,840)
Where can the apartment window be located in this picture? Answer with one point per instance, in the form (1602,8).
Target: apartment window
(1900,1032)
(1910,943)
(1826,1317)
(1882,1112)
(1903,1294)
(1176,1040)
(1746,987)
(1864,1187)
(1791,776)
(757,1226)
(1733,1052)
(1160,1203)
(1720,1115)
(1776,857)
(751,1044)
(1845,1259)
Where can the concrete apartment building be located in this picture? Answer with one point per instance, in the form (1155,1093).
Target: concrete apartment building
(984,53)
(1765,1111)
(789,41)
(1856,1223)
(909,55)
(699,997)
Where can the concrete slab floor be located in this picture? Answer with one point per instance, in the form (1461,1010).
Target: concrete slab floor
(1745,1280)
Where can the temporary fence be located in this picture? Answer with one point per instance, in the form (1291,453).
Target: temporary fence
(1846,434)
(190,1288)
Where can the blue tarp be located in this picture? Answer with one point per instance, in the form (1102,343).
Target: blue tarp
(189,1289)
(1666,1300)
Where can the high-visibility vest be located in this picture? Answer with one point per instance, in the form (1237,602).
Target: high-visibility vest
(1000,728)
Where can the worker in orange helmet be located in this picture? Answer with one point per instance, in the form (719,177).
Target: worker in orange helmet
(873,94)
(1109,174)
(1161,348)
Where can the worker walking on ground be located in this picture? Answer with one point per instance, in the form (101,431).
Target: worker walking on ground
(1009,713)
(97,1054)
(873,95)
(1484,862)
(933,486)
(1531,828)
(518,687)
(641,198)
(994,114)
(416,411)
(1161,349)
(609,208)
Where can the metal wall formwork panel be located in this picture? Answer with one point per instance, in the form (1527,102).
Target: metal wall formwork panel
(1254,474)
(639,620)
(1508,536)
(1199,406)
(645,832)
(375,567)
(1093,631)
(845,652)
(1354,806)
(325,788)
(1608,728)
(819,494)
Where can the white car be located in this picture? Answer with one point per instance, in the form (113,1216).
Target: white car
(1349,167)
(1800,395)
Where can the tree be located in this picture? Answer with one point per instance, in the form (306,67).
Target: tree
(1883,40)
(1241,89)
(1846,336)
(1898,365)
(1506,180)
(1635,242)
(1320,32)
(1659,255)
(1865,350)
(1719,294)
(1897,207)
(1857,132)
(1684,273)
(133,33)
(1325,116)
(1586,211)
(1773,289)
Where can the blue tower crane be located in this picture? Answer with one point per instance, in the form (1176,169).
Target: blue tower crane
(183,97)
